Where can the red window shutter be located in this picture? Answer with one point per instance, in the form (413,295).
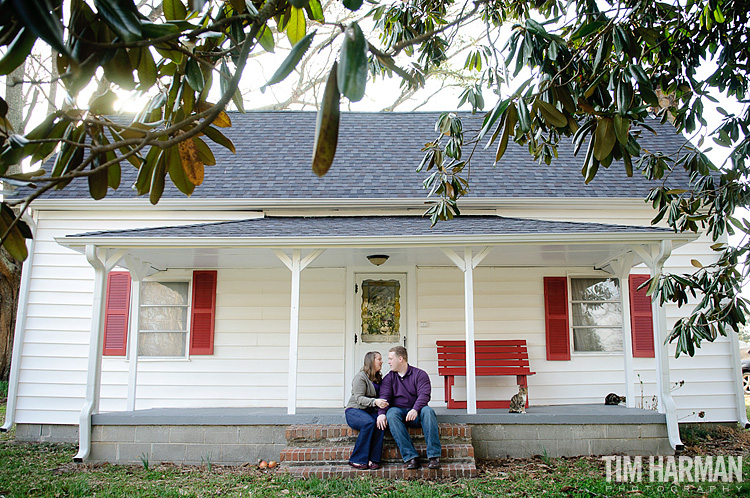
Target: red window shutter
(641,319)
(203,312)
(556,318)
(116,314)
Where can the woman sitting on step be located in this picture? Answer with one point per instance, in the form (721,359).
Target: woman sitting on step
(361,414)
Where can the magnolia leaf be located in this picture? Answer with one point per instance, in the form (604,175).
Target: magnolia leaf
(219,138)
(15,243)
(194,75)
(122,17)
(157,180)
(622,127)
(204,152)
(315,11)
(18,50)
(265,39)
(146,70)
(222,120)
(174,10)
(352,69)
(103,104)
(98,184)
(39,17)
(291,61)
(177,172)
(300,4)
(696,263)
(604,138)
(191,162)
(297,26)
(552,116)
(352,4)
(327,126)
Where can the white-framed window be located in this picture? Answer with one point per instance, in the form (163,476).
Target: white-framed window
(596,314)
(164,318)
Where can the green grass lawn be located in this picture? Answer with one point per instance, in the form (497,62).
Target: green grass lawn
(46,470)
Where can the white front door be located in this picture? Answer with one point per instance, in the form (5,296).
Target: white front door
(380,306)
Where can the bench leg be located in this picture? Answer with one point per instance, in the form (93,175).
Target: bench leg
(449,380)
(521,379)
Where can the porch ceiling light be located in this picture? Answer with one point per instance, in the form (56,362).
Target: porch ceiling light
(377,259)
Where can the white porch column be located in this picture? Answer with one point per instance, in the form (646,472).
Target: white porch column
(296,264)
(621,269)
(135,304)
(655,257)
(102,266)
(138,271)
(467,265)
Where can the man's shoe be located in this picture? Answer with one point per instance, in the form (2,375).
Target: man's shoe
(359,466)
(434,463)
(412,464)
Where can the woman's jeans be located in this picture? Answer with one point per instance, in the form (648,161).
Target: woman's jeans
(426,419)
(369,445)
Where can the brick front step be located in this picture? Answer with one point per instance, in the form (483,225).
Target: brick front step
(302,435)
(388,471)
(340,454)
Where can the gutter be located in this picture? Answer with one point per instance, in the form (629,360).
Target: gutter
(20,330)
(369,241)
(361,204)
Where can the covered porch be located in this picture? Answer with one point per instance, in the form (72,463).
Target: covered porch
(299,244)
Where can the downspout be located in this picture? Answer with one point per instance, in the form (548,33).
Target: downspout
(93,378)
(734,355)
(20,331)
(666,401)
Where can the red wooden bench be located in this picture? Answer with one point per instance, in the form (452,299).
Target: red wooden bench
(500,357)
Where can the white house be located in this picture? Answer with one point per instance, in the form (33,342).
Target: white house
(256,292)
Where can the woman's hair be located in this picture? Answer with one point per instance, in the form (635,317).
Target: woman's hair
(369,367)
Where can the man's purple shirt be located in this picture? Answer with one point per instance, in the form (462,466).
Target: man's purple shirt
(412,391)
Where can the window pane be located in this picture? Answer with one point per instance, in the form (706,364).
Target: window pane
(595,289)
(163,318)
(604,339)
(381,310)
(164,293)
(608,314)
(161,344)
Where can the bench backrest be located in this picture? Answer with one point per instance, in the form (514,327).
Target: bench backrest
(493,357)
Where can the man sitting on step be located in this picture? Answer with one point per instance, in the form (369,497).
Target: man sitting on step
(407,390)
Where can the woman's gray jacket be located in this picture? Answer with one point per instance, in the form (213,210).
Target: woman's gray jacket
(363,392)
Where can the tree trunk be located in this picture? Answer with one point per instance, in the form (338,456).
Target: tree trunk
(10,269)
(10,282)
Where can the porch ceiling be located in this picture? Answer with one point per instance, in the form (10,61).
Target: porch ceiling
(408,240)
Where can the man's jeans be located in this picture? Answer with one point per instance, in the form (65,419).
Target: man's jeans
(426,419)
(369,445)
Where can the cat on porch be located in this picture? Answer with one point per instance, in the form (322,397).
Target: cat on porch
(613,399)
(518,401)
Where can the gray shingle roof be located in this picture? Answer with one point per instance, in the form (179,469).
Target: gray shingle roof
(377,156)
(371,226)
